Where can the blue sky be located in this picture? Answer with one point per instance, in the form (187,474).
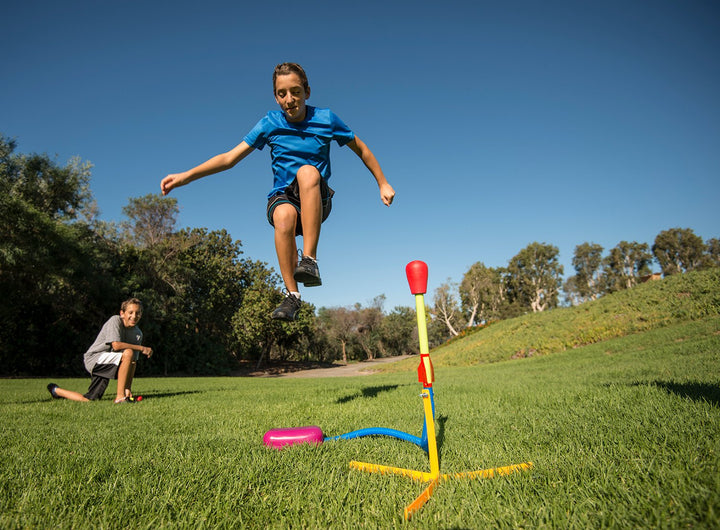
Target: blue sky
(498,123)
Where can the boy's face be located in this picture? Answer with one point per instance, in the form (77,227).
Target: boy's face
(291,95)
(131,315)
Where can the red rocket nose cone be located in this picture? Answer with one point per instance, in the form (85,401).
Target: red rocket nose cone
(417,275)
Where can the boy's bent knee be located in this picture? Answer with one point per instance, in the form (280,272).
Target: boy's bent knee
(308,176)
(284,218)
(128,356)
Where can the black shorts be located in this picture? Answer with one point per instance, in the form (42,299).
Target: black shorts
(101,375)
(291,195)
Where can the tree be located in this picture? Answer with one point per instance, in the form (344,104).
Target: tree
(446,307)
(355,331)
(368,324)
(256,334)
(215,281)
(152,218)
(713,252)
(60,193)
(191,283)
(572,294)
(398,332)
(587,262)
(474,282)
(535,277)
(679,250)
(624,265)
(254,331)
(481,293)
(339,324)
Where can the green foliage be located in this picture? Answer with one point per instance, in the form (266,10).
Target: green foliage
(195,282)
(625,265)
(534,277)
(587,262)
(152,219)
(482,293)
(37,181)
(713,252)
(360,333)
(398,331)
(258,336)
(621,434)
(679,250)
(446,308)
(56,274)
(466,332)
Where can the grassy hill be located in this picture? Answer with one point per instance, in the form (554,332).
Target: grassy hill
(652,305)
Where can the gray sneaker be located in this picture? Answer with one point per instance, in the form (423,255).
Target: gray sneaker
(307,272)
(288,309)
(51,388)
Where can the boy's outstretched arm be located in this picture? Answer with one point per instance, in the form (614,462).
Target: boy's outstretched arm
(387,193)
(216,164)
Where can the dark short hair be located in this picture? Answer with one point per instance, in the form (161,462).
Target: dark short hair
(291,68)
(131,301)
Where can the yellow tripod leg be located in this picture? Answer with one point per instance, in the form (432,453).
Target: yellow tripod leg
(490,473)
(389,470)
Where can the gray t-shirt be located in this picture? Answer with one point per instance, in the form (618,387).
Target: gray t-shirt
(112,331)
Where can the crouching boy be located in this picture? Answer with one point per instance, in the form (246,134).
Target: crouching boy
(114,354)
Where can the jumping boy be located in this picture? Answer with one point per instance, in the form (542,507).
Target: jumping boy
(299,137)
(114,354)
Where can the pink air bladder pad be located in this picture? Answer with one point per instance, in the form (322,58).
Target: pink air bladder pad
(278,438)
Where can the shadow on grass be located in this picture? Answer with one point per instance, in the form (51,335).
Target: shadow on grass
(440,435)
(368,392)
(695,391)
(151,395)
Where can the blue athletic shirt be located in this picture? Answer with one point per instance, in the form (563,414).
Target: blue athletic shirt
(293,145)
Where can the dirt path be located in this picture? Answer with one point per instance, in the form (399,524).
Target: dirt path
(353,369)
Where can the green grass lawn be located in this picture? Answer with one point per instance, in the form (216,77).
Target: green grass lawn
(622,433)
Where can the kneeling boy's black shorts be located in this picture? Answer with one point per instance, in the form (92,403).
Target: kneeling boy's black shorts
(101,375)
(291,195)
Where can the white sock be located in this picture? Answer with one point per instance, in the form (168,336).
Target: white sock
(295,294)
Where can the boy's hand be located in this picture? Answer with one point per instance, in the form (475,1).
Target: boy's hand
(147,351)
(168,183)
(387,194)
